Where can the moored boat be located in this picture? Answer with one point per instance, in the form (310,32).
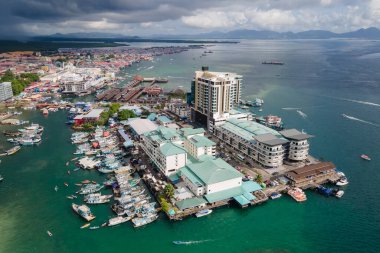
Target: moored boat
(297,194)
(343,181)
(84,211)
(117,220)
(203,213)
(85,225)
(275,195)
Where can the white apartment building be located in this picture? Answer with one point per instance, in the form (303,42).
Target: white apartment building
(215,95)
(5,91)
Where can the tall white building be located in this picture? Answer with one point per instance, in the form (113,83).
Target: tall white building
(5,91)
(215,95)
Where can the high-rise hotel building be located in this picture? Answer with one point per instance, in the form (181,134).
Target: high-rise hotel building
(215,95)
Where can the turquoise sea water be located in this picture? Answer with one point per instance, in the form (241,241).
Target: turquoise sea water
(324,79)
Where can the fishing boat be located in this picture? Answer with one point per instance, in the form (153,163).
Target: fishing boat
(297,194)
(138,222)
(117,220)
(342,182)
(325,191)
(97,198)
(91,188)
(275,195)
(366,157)
(203,213)
(49,233)
(84,211)
(85,225)
(13,150)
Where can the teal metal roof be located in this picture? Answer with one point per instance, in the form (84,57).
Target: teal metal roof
(191,131)
(164,119)
(169,149)
(189,203)
(213,171)
(224,195)
(242,200)
(249,196)
(191,176)
(248,129)
(201,141)
(250,186)
(152,116)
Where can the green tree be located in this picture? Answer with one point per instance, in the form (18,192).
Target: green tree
(126,114)
(169,191)
(113,108)
(259,178)
(164,204)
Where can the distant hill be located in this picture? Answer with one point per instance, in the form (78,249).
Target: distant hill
(90,35)
(364,33)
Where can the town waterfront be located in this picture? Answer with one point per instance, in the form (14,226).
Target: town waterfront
(322,79)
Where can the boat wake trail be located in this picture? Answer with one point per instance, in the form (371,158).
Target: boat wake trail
(360,120)
(302,114)
(189,242)
(362,102)
(290,108)
(151,67)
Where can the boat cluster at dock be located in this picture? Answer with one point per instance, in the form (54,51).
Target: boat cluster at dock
(101,150)
(30,135)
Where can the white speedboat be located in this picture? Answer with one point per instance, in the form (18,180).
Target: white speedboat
(275,195)
(49,233)
(203,213)
(343,181)
(339,193)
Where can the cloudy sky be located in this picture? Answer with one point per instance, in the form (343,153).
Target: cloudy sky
(145,17)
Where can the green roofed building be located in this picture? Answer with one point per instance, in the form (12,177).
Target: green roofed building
(210,176)
(255,142)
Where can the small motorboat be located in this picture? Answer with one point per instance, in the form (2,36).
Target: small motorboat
(203,213)
(56,188)
(94,227)
(70,197)
(339,193)
(49,233)
(86,181)
(67,164)
(366,157)
(68,172)
(66,184)
(78,184)
(104,224)
(275,195)
(343,181)
(76,169)
(85,225)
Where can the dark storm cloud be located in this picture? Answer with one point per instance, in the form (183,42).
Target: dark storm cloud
(48,16)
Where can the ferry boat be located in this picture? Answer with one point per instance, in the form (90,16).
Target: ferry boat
(275,195)
(273,62)
(366,157)
(203,213)
(342,182)
(84,211)
(297,194)
(117,220)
